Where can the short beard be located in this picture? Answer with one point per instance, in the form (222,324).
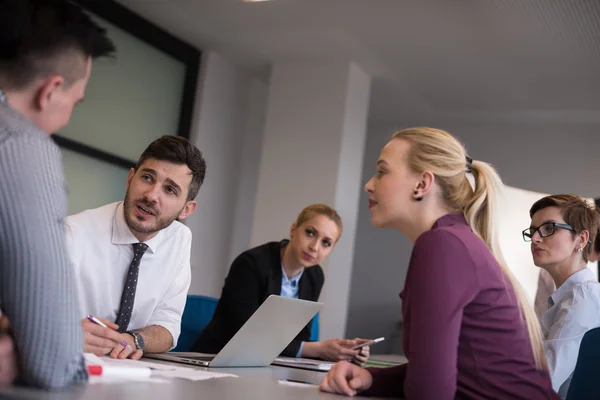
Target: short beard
(135,225)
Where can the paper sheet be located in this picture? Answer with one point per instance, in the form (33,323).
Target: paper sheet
(103,379)
(92,359)
(191,374)
(159,370)
(138,363)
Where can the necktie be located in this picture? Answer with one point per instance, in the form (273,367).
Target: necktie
(128,295)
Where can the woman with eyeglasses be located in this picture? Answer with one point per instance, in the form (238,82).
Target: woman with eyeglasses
(546,286)
(563,229)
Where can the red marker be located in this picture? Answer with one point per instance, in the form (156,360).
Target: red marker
(118,372)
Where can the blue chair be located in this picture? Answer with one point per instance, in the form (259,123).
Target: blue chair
(198,312)
(585,383)
(314,329)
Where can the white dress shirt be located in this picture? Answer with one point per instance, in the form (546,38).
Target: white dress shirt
(100,247)
(574,309)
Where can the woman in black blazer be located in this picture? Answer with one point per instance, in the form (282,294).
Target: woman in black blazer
(287,268)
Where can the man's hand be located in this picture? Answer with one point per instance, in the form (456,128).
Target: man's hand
(100,340)
(9,367)
(128,350)
(346,378)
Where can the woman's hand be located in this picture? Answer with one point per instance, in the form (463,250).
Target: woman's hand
(345,378)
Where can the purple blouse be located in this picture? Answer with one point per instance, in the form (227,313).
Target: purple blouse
(462,330)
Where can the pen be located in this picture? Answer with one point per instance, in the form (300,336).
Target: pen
(294,382)
(102,324)
(370,342)
(96,321)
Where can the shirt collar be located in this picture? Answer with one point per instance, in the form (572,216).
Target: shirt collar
(584,275)
(450,219)
(288,280)
(296,278)
(121,233)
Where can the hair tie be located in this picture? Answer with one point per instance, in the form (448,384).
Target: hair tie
(469,164)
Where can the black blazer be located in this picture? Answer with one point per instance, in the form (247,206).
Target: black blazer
(255,275)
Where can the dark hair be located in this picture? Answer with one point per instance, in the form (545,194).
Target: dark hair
(178,150)
(577,212)
(39,38)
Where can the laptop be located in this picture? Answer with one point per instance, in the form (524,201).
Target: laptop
(262,338)
(304,363)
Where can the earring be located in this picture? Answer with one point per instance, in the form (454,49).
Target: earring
(580,249)
(417,198)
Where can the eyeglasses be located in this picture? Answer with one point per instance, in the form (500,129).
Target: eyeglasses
(546,229)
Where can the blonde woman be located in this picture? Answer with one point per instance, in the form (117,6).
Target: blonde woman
(287,268)
(469,332)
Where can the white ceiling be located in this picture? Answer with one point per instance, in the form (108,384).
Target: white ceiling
(454,58)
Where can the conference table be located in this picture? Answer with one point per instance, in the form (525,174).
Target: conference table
(251,383)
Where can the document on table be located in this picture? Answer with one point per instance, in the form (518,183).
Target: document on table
(159,370)
(119,373)
(191,374)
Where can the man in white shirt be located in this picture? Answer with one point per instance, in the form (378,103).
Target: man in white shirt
(132,258)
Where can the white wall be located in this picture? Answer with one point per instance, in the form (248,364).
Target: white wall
(228,117)
(255,101)
(312,152)
(537,156)
(301,143)
(336,291)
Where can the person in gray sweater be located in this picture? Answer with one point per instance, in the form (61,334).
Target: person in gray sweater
(46,52)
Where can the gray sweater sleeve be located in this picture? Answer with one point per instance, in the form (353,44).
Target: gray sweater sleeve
(37,284)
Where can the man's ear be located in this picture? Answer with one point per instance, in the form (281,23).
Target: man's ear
(48,92)
(188,209)
(130,175)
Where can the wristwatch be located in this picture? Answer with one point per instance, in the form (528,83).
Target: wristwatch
(138,340)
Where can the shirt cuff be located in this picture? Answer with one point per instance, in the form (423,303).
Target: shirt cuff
(299,354)
(173,329)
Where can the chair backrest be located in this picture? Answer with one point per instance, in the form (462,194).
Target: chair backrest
(314,329)
(198,312)
(585,383)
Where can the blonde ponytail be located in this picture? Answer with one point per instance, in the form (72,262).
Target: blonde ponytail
(481,214)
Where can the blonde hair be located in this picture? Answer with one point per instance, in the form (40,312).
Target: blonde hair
(320,209)
(439,152)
